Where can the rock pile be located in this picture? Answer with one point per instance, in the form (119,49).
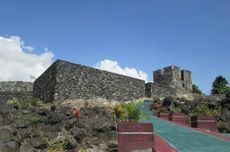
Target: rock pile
(41,129)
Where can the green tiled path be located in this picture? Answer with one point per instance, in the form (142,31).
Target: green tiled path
(185,139)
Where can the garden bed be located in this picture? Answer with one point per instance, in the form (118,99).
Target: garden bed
(204,122)
(179,117)
(135,136)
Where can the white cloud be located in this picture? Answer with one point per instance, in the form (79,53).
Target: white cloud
(113,66)
(18,62)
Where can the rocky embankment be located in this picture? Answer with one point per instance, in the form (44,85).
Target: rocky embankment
(45,129)
(220,104)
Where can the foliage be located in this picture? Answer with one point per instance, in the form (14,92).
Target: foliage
(34,102)
(168,101)
(176,109)
(30,103)
(156,99)
(195,89)
(13,102)
(164,109)
(127,111)
(33,119)
(57,146)
(119,110)
(220,85)
(82,150)
(133,112)
(203,110)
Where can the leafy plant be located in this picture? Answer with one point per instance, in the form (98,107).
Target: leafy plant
(119,110)
(13,102)
(33,119)
(203,110)
(128,111)
(195,89)
(133,111)
(220,85)
(57,146)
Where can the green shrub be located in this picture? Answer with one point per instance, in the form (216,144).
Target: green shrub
(164,109)
(133,111)
(176,109)
(13,102)
(128,111)
(195,89)
(34,102)
(33,119)
(203,110)
(57,146)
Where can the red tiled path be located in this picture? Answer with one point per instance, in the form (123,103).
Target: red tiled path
(161,145)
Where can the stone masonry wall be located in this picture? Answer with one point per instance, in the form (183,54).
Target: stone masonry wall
(74,81)
(44,86)
(20,90)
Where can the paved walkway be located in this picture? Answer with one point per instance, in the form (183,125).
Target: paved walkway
(185,139)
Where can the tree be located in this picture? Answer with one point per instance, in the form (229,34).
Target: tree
(220,85)
(195,89)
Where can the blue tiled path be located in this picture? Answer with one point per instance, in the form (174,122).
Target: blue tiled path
(185,139)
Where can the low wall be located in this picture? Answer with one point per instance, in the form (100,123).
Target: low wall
(18,89)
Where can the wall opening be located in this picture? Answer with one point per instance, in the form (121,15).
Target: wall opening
(182,75)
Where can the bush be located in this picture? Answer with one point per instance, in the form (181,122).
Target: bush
(13,102)
(119,110)
(133,112)
(203,110)
(195,89)
(34,102)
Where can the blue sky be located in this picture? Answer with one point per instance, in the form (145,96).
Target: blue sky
(142,34)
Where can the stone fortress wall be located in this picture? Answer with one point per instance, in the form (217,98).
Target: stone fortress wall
(64,80)
(170,81)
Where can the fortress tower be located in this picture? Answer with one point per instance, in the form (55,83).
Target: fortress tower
(170,81)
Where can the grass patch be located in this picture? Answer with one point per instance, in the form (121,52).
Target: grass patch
(33,119)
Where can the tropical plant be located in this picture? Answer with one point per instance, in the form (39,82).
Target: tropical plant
(133,111)
(128,111)
(195,89)
(119,110)
(56,146)
(220,85)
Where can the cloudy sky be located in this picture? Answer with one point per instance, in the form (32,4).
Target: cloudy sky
(129,37)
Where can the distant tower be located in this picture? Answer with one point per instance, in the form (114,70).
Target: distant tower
(171,81)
